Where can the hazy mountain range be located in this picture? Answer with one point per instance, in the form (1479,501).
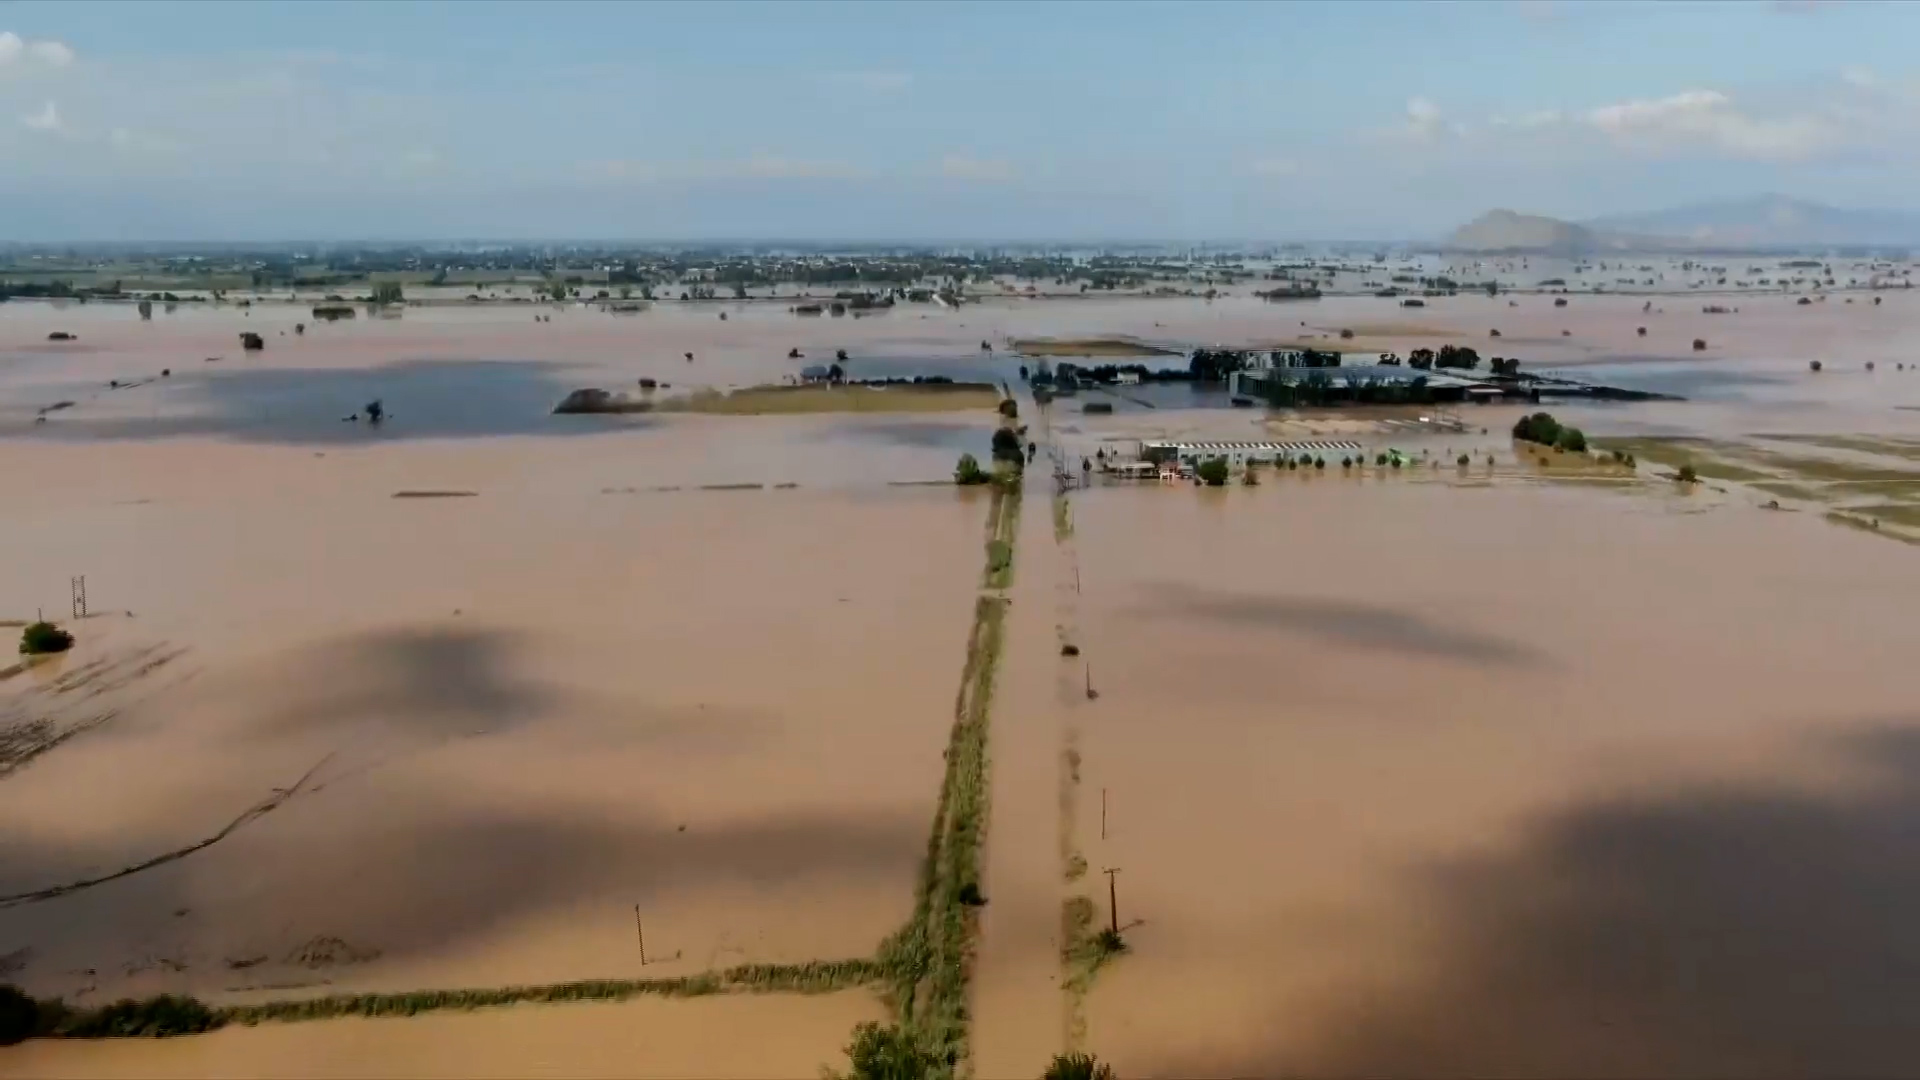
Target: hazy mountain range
(1769,221)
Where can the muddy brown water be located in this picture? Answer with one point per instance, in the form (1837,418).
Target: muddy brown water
(1409,776)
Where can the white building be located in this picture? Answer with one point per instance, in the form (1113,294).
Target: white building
(1239,453)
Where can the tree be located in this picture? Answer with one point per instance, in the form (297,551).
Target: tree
(387,292)
(968,472)
(1572,440)
(1539,428)
(1077,1067)
(1213,471)
(19,1016)
(1009,408)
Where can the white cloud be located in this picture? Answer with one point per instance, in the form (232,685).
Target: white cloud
(1859,78)
(774,167)
(1540,118)
(51,53)
(1709,119)
(960,167)
(47,119)
(16,51)
(1423,118)
(757,167)
(879,82)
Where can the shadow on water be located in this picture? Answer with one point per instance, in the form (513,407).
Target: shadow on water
(958,437)
(1338,622)
(1753,931)
(423,399)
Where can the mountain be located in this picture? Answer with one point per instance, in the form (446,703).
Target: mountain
(1769,221)
(1505,230)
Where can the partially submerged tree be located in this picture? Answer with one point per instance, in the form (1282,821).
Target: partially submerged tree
(1077,1067)
(968,472)
(1539,428)
(1213,471)
(887,1053)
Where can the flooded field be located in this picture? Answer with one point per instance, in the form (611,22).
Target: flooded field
(716,1038)
(1509,768)
(1428,780)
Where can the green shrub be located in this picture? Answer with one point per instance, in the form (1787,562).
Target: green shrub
(1379,459)
(1009,408)
(1077,1067)
(1571,439)
(968,472)
(1213,471)
(1686,475)
(999,556)
(154,1017)
(1463,461)
(1319,463)
(44,637)
(887,1053)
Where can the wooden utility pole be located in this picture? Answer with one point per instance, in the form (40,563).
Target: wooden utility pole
(1113,899)
(640,932)
(1103,813)
(79,587)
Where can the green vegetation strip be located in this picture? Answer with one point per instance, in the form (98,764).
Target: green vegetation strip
(928,963)
(1699,453)
(22,1017)
(1863,444)
(1003,523)
(1864,523)
(813,977)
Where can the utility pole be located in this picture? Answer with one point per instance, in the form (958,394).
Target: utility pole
(641,933)
(79,587)
(1103,813)
(1113,899)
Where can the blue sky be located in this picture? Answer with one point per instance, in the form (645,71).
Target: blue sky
(1363,120)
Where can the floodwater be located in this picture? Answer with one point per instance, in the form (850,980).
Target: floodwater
(1409,774)
(1425,780)
(718,1038)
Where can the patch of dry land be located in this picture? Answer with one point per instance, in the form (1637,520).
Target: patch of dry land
(1089,347)
(1416,780)
(777,400)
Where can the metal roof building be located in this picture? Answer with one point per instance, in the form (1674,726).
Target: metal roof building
(1239,453)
